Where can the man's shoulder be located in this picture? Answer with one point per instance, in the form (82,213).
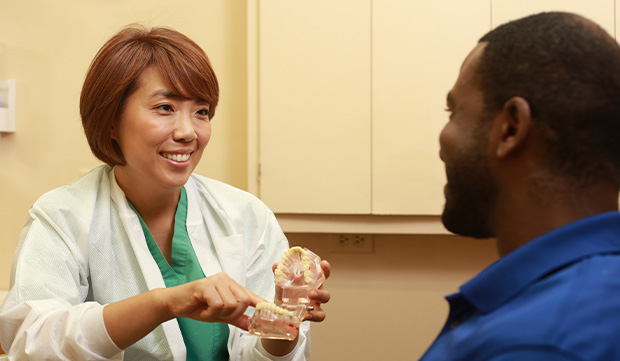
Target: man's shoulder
(575,305)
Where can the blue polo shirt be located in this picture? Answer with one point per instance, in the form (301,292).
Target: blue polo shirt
(555,298)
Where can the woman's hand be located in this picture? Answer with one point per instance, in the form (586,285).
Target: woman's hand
(319,296)
(218,298)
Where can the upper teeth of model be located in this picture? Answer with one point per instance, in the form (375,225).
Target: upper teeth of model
(177,157)
(287,257)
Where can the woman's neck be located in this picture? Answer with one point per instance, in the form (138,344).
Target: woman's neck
(157,207)
(150,199)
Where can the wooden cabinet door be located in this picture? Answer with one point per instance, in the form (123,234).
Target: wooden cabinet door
(418,48)
(314,105)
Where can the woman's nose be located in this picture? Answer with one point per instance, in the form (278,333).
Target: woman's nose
(184,128)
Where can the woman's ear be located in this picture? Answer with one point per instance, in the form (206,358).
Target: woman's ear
(515,122)
(113,133)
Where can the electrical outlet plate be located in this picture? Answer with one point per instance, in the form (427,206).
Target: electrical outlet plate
(351,243)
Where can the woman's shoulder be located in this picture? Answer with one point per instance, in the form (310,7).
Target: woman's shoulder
(234,202)
(83,192)
(222,191)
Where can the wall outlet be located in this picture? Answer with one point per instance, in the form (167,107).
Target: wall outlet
(351,243)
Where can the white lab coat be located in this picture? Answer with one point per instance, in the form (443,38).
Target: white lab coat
(82,247)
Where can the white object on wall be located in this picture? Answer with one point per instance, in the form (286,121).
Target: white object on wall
(7,106)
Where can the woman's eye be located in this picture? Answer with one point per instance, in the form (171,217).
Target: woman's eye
(165,107)
(203,112)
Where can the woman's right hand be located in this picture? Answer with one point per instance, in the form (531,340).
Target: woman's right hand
(218,298)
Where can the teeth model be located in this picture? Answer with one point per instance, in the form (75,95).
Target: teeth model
(271,321)
(299,266)
(298,272)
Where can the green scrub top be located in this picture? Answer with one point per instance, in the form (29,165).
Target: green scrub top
(203,340)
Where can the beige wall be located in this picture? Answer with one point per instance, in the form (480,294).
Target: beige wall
(49,45)
(389,305)
(385,305)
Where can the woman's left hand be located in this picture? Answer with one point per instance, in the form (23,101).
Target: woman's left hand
(319,296)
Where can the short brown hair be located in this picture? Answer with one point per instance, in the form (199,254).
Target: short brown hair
(114,73)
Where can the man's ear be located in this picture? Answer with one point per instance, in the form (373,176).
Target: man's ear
(515,123)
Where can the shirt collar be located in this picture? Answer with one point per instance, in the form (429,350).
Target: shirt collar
(512,273)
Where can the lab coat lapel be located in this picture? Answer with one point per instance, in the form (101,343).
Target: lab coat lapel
(130,220)
(150,270)
(231,253)
(228,244)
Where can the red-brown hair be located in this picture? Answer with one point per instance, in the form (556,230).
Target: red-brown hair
(114,73)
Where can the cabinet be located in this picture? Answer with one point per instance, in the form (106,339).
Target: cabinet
(418,47)
(346,102)
(350,99)
(314,105)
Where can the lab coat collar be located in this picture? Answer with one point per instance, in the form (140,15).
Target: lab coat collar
(228,244)
(150,270)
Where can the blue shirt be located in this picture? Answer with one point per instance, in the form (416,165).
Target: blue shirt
(554,298)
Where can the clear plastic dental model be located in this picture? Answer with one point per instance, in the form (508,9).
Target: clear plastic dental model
(271,321)
(298,272)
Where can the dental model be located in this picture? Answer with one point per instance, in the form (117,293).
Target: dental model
(298,272)
(295,262)
(271,321)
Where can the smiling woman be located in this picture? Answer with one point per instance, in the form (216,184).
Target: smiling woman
(140,259)
(174,133)
(184,67)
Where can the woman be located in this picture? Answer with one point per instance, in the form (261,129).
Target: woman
(140,259)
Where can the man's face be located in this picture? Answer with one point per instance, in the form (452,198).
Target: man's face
(470,191)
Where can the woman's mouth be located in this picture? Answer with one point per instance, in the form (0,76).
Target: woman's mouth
(177,157)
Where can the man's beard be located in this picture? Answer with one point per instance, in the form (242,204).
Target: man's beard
(470,193)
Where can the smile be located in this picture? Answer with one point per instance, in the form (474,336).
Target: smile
(176,157)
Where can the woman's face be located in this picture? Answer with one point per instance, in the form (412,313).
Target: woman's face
(161,135)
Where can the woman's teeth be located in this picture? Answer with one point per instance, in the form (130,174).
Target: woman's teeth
(177,157)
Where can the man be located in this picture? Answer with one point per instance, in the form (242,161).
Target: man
(532,157)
